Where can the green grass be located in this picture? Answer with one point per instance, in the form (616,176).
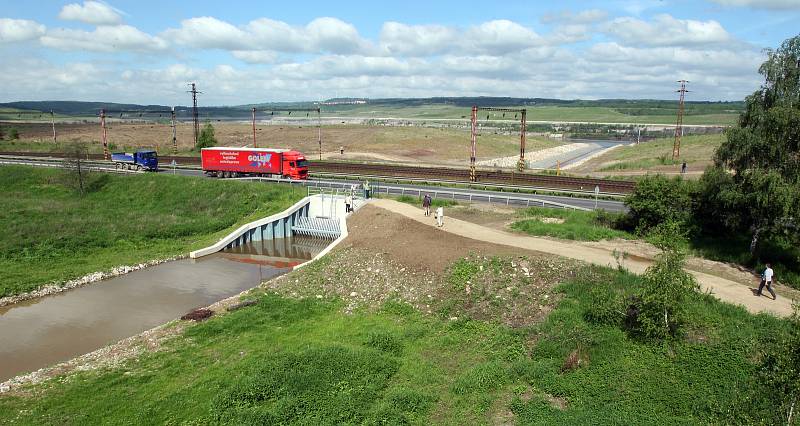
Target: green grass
(577,225)
(417,201)
(305,362)
(784,257)
(696,150)
(49,234)
(595,114)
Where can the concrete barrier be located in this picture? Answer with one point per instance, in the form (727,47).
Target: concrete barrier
(280,224)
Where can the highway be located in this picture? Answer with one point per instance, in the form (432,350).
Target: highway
(437,191)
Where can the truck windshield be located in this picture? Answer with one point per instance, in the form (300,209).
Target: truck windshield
(302,164)
(148,155)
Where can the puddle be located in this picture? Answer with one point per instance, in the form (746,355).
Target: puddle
(41,332)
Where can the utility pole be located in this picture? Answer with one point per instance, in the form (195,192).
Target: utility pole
(254,128)
(676,147)
(174,134)
(195,116)
(319,132)
(53,123)
(474,148)
(104,134)
(524,125)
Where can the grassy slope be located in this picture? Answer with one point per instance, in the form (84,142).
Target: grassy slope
(48,234)
(577,225)
(696,150)
(304,361)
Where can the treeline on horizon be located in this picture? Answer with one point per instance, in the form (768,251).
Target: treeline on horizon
(634,107)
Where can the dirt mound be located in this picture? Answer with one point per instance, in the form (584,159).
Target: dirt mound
(413,244)
(198,315)
(390,257)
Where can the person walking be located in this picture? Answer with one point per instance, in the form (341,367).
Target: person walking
(426,204)
(766,280)
(348,204)
(367,193)
(683,168)
(440,216)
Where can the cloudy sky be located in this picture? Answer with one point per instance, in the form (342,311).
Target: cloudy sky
(241,52)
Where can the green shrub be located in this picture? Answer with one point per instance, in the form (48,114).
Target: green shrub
(657,199)
(605,307)
(206,138)
(13,134)
(659,310)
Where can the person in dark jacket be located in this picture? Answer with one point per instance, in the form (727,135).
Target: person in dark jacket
(426,204)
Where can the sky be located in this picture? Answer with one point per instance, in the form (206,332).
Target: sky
(241,52)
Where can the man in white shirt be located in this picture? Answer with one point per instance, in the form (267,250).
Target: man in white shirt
(766,279)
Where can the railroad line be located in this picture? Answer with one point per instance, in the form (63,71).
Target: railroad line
(510,178)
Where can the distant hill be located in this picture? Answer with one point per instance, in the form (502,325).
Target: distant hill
(637,107)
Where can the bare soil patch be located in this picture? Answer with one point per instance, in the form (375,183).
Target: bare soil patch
(387,256)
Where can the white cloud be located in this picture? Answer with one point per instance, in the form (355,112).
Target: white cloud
(502,36)
(209,33)
(495,38)
(761,4)
(319,36)
(255,56)
(103,39)
(664,30)
(417,40)
(14,30)
(91,12)
(588,16)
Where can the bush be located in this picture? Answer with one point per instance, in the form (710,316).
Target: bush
(658,311)
(206,138)
(658,199)
(13,134)
(605,307)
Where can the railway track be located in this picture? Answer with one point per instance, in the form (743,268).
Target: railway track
(455,175)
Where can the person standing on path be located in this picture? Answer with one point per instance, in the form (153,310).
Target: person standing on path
(366,190)
(426,204)
(683,168)
(348,204)
(440,216)
(766,279)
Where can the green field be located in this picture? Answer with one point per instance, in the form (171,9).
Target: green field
(568,224)
(592,114)
(49,234)
(290,361)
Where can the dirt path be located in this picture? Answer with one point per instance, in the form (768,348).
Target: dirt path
(724,289)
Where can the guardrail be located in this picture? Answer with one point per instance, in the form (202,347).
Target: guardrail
(345,187)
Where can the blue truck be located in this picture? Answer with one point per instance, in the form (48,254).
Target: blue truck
(139,160)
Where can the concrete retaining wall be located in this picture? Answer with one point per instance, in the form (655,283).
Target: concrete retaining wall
(280,224)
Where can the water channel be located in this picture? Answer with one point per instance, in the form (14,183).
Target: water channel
(52,329)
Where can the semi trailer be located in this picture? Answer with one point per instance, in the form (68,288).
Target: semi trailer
(262,162)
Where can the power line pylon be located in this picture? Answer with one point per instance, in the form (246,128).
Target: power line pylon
(195,115)
(676,147)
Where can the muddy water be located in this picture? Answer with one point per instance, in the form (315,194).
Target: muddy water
(41,332)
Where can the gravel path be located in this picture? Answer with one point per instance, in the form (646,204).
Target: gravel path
(724,289)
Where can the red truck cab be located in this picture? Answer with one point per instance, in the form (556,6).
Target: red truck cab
(295,165)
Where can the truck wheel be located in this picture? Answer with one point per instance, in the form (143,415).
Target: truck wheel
(138,168)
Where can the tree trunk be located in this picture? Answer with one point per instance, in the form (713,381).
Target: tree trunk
(791,412)
(754,241)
